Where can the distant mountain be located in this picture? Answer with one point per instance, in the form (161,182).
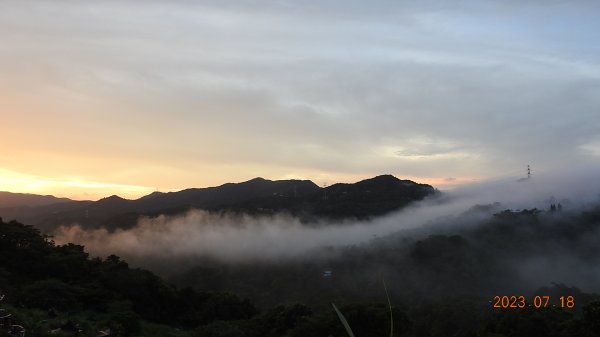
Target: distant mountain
(364,199)
(302,198)
(9,199)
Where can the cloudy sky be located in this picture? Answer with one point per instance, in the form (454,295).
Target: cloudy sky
(127,96)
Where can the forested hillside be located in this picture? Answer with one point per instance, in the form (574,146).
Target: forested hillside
(302,198)
(436,285)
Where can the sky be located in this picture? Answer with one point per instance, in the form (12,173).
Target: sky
(127,97)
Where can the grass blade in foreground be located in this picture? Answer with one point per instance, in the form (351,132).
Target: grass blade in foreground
(391,314)
(343,320)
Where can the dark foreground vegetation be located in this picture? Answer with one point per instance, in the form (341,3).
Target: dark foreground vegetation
(437,286)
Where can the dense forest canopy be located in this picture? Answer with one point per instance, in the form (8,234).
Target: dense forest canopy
(440,284)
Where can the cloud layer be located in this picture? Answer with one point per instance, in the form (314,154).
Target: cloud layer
(327,89)
(200,234)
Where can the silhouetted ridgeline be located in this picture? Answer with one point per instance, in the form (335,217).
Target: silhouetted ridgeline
(302,198)
(8,199)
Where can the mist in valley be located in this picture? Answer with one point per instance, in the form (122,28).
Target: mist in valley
(451,243)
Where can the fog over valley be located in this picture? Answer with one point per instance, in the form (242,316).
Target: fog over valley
(243,236)
(479,239)
(299,168)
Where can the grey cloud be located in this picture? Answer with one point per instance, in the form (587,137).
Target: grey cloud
(322,84)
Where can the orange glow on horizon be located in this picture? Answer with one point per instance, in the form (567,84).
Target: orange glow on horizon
(82,189)
(72,188)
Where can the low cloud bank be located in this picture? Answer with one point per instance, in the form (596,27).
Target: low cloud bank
(242,237)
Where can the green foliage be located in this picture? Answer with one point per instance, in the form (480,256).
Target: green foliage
(60,288)
(160,330)
(226,306)
(591,316)
(219,329)
(52,294)
(281,319)
(374,319)
(448,316)
(528,322)
(64,279)
(126,322)
(589,324)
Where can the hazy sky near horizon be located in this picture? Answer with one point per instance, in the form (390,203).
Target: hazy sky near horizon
(130,96)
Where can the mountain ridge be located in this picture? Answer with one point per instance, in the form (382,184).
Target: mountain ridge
(15,199)
(364,199)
